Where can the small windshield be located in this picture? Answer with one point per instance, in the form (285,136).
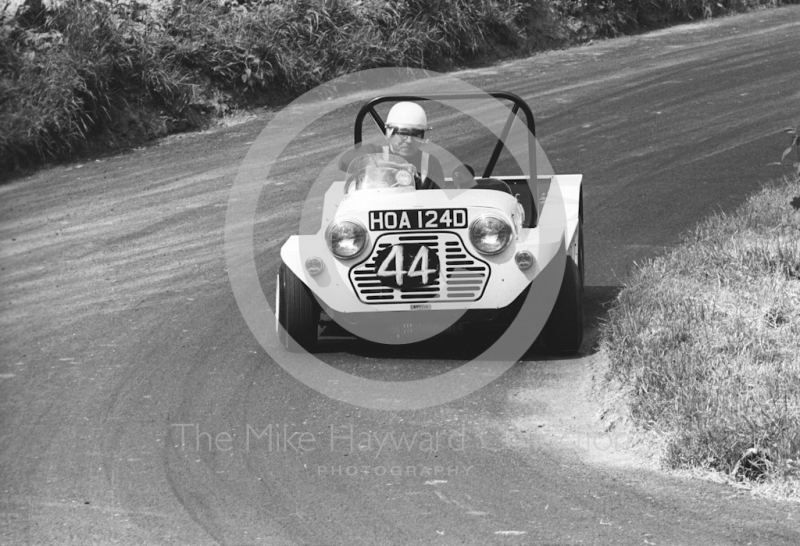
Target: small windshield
(377,171)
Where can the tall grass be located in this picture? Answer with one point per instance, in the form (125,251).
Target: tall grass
(602,18)
(707,342)
(89,70)
(297,44)
(73,71)
(84,67)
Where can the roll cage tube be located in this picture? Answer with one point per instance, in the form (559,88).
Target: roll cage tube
(516,100)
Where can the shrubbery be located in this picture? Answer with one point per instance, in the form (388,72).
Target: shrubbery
(295,45)
(113,72)
(72,71)
(126,72)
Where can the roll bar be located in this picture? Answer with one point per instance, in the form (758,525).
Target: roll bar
(517,105)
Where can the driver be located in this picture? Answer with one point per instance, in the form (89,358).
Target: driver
(405,133)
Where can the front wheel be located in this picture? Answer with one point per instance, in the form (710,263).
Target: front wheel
(298,312)
(563,333)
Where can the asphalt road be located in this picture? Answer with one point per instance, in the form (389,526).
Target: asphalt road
(137,406)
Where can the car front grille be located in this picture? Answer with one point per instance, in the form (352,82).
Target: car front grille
(461,277)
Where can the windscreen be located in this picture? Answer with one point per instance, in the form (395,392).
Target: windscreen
(379,171)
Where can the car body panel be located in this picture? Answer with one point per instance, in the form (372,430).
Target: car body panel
(335,288)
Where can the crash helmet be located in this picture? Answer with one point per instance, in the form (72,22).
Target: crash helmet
(407,114)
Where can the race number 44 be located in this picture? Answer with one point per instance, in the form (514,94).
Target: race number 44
(394,266)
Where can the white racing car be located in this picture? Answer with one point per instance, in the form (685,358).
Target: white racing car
(392,263)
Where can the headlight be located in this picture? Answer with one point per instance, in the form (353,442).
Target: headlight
(490,234)
(346,238)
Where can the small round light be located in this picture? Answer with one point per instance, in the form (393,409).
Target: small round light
(524,260)
(346,238)
(314,266)
(490,234)
(404,178)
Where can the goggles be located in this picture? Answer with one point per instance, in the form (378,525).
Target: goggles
(407,132)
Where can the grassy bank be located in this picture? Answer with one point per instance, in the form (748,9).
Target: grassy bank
(705,343)
(115,73)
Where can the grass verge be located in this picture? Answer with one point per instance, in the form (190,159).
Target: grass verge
(704,344)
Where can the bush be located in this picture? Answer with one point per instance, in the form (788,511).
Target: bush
(73,71)
(103,70)
(606,18)
(87,68)
(297,44)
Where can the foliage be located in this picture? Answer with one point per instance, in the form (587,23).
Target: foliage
(706,338)
(603,18)
(84,68)
(121,72)
(297,44)
(72,71)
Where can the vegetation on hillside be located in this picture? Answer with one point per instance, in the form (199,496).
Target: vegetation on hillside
(118,72)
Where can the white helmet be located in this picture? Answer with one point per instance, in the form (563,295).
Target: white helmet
(407,114)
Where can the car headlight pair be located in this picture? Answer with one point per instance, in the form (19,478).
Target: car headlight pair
(490,234)
(346,238)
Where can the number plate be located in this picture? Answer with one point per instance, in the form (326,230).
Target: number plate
(402,220)
(407,266)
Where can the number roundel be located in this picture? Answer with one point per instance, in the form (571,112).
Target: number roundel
(404,178)
(407,266)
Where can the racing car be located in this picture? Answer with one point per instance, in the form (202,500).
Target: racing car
(394,262)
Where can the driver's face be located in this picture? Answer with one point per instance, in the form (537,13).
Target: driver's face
(404,146)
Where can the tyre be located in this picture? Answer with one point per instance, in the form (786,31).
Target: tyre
(298,312)
(563,333)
